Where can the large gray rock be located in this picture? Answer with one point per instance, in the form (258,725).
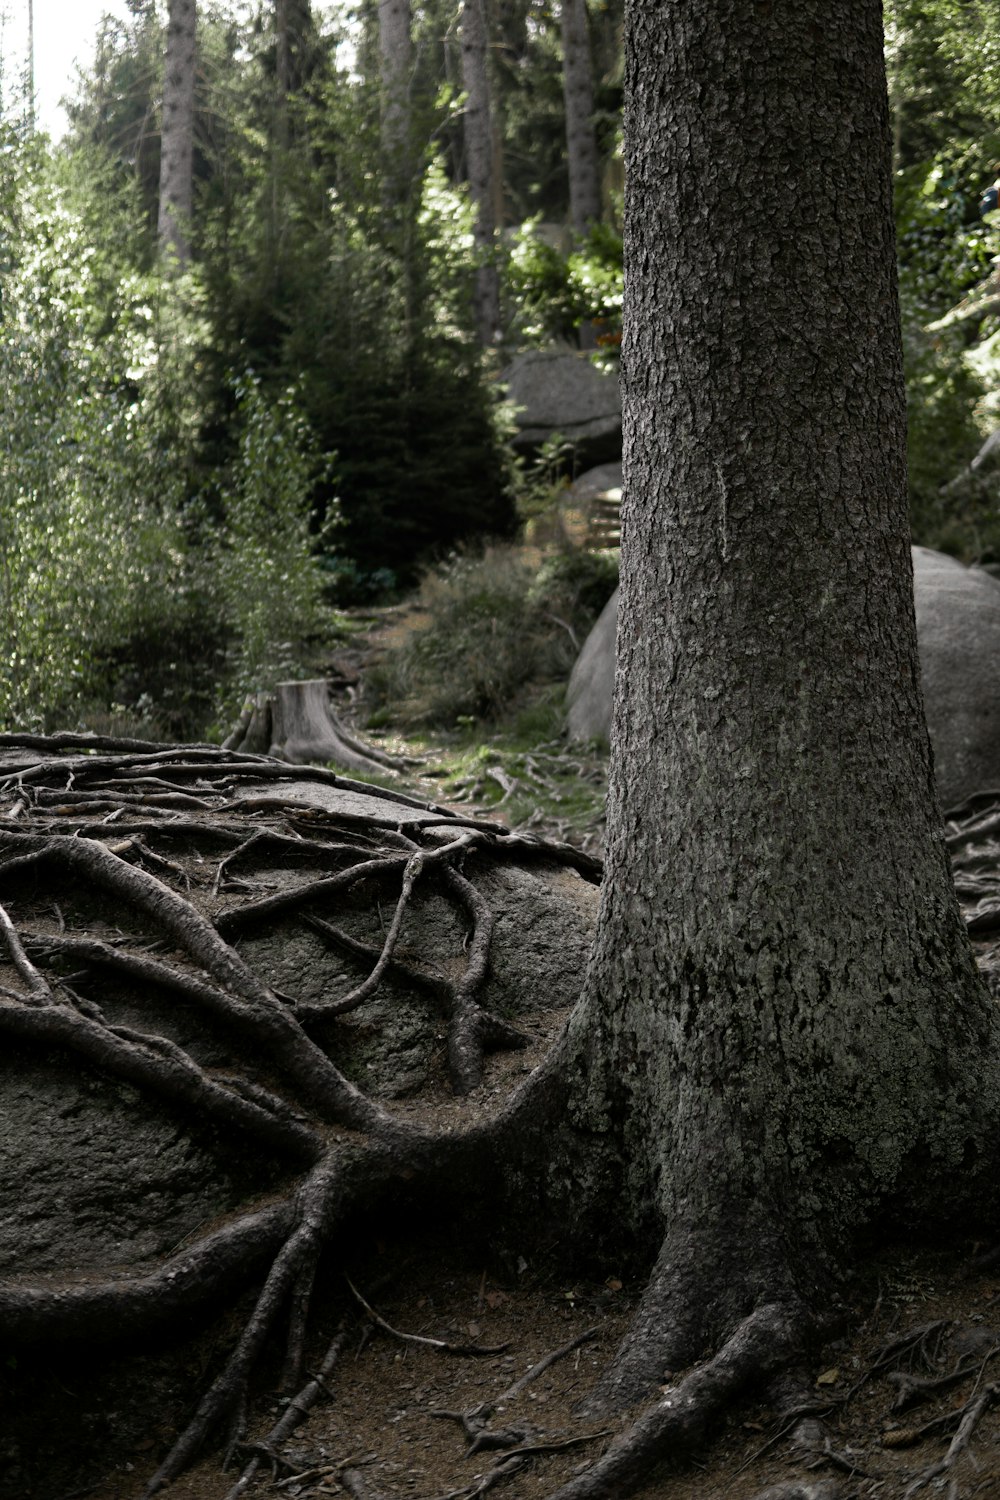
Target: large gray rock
(592,681)
(96,1174)
(543,924)
(601,483)
(102,1181)
(562,390)
(958,628)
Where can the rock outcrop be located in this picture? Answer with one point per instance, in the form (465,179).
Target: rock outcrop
(563,391)
(958,628)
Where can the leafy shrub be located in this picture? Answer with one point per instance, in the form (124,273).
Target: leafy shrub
(89,538)
(942,437)
(270,586)
(471,657)
(943,252)
(121,589)
(575,585)
(345,584)
(495,623)
(942,246)
(556,292)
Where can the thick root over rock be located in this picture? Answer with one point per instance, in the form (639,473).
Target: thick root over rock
(767,1341)
(136,887)
(139,888)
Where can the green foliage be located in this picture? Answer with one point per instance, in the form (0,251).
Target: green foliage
(471,658)
(941,257)
(269,586)
(943,60)
(943,248)
(524,771)
(528,85)
(78,549)
(575,586)
(495,622)
(114,589)
(556,291)
(317,281)
(942,398)
(542,479)
(113,114)
(345,584)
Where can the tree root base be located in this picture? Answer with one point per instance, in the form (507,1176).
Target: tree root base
(430,1380)
(377,1405)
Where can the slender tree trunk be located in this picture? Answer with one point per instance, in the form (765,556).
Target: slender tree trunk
(581,141)
(783,1029)
(478,133)
(31,64)
(177,138)
(396,66)
(283,47)
(292,26)
(283,70)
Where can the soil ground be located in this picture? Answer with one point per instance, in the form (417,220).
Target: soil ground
(380,1411)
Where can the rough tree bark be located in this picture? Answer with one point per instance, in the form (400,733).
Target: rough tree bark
(578,95)
(298,723)
(783,1031)
(396,68)
(478,135)
(177,132)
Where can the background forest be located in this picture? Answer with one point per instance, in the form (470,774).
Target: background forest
(256,306)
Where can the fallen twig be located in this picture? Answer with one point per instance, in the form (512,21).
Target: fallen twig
(441,1345)
(974,1409)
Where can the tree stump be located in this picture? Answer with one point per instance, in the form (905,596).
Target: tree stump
(297,723)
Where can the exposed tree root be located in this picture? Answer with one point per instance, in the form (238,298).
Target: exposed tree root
(297,1410)
(803,1489)
(971,1414)
(764,1343)
(442,1346)
(154,870)
(160,919)
(216,1266)
(475,1422)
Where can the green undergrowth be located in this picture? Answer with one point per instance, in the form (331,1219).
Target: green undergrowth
(520,769)
(475,687)
(495,624)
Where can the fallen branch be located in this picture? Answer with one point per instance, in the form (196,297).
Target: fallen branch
(971,1414)
(475,1351)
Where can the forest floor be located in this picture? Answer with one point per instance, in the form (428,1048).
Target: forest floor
(890,1408)
(520,770)
(905,1402)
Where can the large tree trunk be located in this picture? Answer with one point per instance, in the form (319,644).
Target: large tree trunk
(581,141)
(177,137)
(783,1028)
(479,165)
(396,67)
